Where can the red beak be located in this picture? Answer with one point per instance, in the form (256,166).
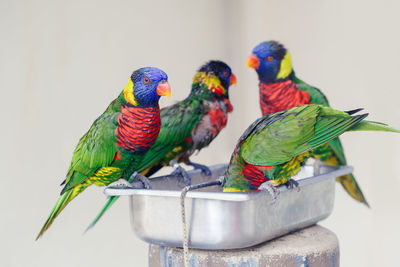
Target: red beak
(233,79)
(163,89)
(253,62)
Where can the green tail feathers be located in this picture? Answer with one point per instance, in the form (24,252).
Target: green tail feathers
(110,202)
(373,126)
(62,202)
(349,183)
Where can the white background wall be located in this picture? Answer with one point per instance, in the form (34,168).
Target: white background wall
(62,62)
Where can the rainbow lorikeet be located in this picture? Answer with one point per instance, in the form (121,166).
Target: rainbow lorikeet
(118,139)
(276,145)
(190,124)
(280,89)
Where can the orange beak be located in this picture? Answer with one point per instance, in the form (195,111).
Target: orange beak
(163,89)
(253,62)
(233,79)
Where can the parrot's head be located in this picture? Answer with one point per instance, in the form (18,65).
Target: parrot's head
(217,77)
(272,62)
(146,86)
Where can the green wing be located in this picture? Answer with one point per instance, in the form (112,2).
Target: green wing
(177,123)
(296,131)
(348,181)
(316,96)
(95,149)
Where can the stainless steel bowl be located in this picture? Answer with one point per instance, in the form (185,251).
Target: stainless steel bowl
(218,220)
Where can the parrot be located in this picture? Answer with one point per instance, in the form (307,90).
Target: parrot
(189,125)
(117,139)
(275,146)
(281,89)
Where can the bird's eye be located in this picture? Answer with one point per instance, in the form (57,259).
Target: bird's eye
(226,74)
(146,80)
(270,58)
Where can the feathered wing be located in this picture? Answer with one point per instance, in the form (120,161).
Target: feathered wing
(316,96)
(177,122)
(348,181)
(96,149)
(297,131)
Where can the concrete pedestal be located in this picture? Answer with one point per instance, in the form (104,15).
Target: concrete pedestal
(311,247)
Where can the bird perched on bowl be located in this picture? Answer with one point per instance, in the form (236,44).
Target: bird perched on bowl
(276,145)
(118,139)
(189,125)
(281,89)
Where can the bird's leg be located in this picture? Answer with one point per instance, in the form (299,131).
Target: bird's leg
(204,169)
(269,187)
(138,177)
(291,184)
(180,172)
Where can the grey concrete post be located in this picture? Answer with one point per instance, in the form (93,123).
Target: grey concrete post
(311,247)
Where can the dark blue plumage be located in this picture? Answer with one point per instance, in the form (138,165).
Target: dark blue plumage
(270,55)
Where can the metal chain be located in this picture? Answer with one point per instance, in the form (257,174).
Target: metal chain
(186,255)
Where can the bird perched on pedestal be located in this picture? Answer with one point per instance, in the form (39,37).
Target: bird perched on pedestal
(118,139)
(189,125)
(280,89)
(276,145)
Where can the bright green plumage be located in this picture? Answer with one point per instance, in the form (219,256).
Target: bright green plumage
(91,163)
(188,125)
(105,152)
(275,146)
(333,152)
(172,136)
(280,89)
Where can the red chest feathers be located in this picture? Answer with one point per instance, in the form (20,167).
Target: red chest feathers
(279,96)
(219,115)
(255,174)
(138,128)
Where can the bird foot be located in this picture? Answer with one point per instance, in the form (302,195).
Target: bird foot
(179,171)
(291,184)
(204,169)
(138,177)
(269,187)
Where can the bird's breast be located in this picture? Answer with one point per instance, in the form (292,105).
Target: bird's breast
(211,123)
(137,128)
(280,96)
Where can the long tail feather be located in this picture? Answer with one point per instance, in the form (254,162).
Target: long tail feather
(111,200)
(109,203)
(349,183)
(62,202)
(373,126)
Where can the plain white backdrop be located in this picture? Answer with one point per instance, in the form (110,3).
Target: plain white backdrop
(62,62)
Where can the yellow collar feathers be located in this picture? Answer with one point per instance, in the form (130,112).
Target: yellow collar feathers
(286,67)
(211,81)
(128,93)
